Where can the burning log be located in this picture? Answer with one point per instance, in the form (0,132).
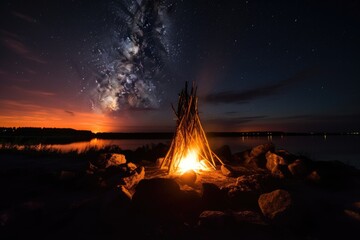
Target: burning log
(189,149)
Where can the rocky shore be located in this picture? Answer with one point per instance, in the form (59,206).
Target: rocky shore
(261,193)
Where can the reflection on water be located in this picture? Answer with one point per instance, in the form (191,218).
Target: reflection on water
(126,144)
(342,148)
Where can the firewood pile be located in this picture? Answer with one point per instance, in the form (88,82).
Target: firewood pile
(189,137)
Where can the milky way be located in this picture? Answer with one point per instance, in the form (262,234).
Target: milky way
(130,67)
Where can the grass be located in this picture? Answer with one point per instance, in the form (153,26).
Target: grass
(147,152)
(44,151)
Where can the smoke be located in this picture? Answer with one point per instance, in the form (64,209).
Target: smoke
(130,64)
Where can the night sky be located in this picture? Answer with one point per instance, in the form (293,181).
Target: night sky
(259,65)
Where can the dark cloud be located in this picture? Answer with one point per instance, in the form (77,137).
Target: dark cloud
(24,17)
(295,117)
(13,43)
(38,93)
(322,117)
(234,121)
(231,113)
(241,97)
(70,113)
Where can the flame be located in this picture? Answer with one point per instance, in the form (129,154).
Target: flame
(191,162)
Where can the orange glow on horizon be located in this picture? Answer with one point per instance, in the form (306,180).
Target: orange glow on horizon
(15,114)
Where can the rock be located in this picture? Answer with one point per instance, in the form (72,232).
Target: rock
(125,191)
(224,153)
(256,158)
(114,207)
(298,168)
(66,175)
(353,211)
(91,168)
(288,157)
(259,183)
(227,171)
(261,150)
(244,195)
(242,200)
(190,205)
(280,171)
(313,177)
(241,157)
(214,219)
(249,182)
(112,176)
(272,160)
(248,217)
(135,178)
(157,199)
(251,225)
(352,214)
(189,177)
(131,166)
(106,160)
(276,204)
(212,197)
(116,159)
(100,162)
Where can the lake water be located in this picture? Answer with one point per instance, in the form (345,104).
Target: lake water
(344,148)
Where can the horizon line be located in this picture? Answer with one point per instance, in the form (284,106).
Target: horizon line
(267,132)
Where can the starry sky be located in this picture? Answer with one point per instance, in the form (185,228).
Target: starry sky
(259,65)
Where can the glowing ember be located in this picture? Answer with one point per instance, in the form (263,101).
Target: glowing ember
(191,162)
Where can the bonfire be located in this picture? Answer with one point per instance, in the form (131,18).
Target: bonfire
(189,149)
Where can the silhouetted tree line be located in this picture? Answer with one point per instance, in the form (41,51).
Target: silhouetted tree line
(33,135)
(29,135)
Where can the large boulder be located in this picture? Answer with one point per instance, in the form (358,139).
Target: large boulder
(188,177)
(273,160)
(275,205)
(287,156)
(135,178)
(104,161)
(245,193)
(261,150)
(131,166)
(212,197)
(242,200)
(250,182)
(248,217)
(116,159)
(257,155)
(112,176)
(114,206)
(157,199)
(214,219)
(281,171)
(190,206)
(241,157)
(313,177)
(298,168)
(259,183)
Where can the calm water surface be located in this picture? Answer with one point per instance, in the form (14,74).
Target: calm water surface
(342,148)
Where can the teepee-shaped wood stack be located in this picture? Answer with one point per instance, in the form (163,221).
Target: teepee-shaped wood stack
(189,136)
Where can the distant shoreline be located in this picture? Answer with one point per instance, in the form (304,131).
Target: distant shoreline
(67,135)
